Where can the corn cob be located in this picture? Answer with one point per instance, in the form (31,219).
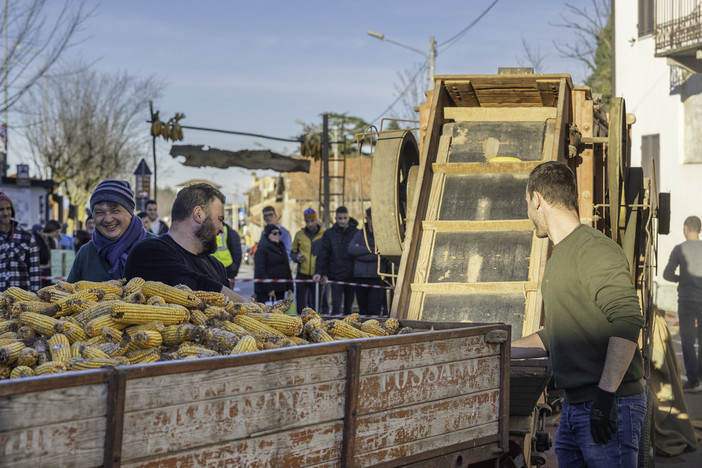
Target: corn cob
(219,313)
(230,326)
(20,294)
(133,285)
(147,339)
(287,324)
(341,329)
(229,307)
(95,311)
(184,287)
(136,314)
(156,300)
(298,340)
(391,325)
(251,324)
(77,349)
(212,298)
(93,327)
(135,298)
(308,314)
(59,347)
(372,327)
(354,320)
(10,352)
(5,372)
(52,294)
(11,325)
(171,295)
(111,335)
(96,363)
(26,333)
(27,357)
(9,336)
(244,307)
(41,324)
(144,356)
(21,371)
(65,286)
(117,349)
(72,331)
(92,352)
(41,346)
(282,307)
(312,324)
(176,334)
(405,331)
(78,302)
(51,367)
(95,340)
(155,326)
(38,307)
(105,287)
(197,317)
(111,297)
(319,335)
(220,340)
(192,349)
(247,344)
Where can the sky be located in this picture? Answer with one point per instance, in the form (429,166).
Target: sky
(262,66)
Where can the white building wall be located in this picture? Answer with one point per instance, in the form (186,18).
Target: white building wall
(645,82)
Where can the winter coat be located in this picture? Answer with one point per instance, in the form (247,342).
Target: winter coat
(365,263)
(302,244)
(271,262)
(333,259)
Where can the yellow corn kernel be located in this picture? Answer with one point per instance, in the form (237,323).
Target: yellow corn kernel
(253,325)
(230,326)
(96,363)
(147,339)
(65,286)
(144,356)
(21,371)
(156,300)
(133,285)
(353,319)
(176,334)
(221,341)
(77,349)
(79,301)
(319,335)
(244,307)
(184,287)
(135,298)
(90,352)
(38,307)
(93,327)
(298,341)
(27,357)
(171,294)
(247,344)
(136,314)
(11,336)
(26,333)
(105,286)
(11,325)
(287,324)
(5,372)
(372,327)
(59,347)
(41,324)
(95,340)
(391,325)
(72,331)
(219,313)
(341,329)
(155,326)
(10,352)
(197,317)
(212,298)
(112,335)
(94,311)
(282,307)
(192,349)
(308,314)
(20,294)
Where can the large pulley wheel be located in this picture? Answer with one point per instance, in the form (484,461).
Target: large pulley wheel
(393,176)
(616,151)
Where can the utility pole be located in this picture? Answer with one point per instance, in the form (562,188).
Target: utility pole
(325,170)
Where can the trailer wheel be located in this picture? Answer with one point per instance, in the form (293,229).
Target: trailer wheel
(647,441)
(664,213)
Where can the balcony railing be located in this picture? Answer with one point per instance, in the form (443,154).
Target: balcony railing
(678,25)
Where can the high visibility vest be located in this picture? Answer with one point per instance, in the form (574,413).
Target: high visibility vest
(223,254)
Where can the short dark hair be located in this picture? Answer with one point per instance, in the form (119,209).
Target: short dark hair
(693,223)
(150,202)
(142,214)
(51,226)
(89,218)
(341,209)
(268,208)
(193,196)
(556,183)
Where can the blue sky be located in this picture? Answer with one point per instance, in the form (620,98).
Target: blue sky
(258,66)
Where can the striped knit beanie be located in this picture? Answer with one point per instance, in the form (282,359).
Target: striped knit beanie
(112,190)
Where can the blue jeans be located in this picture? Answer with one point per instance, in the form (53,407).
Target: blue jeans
(688,313)
(574,444)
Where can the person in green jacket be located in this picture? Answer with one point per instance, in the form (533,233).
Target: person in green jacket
(117,231)
(593,322)
(301,253)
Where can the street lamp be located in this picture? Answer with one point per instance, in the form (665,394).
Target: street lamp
(431,56)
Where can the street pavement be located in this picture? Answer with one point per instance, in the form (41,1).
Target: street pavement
(245,288)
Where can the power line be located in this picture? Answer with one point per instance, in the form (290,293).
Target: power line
(402,94)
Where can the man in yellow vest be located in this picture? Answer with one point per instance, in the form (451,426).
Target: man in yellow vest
(302,254)
(229,251)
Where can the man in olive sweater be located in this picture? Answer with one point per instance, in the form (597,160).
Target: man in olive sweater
(593,321)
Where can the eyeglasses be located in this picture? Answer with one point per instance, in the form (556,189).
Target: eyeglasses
(275,233)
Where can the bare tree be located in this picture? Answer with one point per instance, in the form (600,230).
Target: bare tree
(37,35)
(94,128)
(410,91)
(532,57)
(588,23)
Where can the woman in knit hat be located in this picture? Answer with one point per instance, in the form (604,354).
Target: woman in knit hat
(117,231)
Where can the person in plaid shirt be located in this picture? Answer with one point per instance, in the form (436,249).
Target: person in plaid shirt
(19,253)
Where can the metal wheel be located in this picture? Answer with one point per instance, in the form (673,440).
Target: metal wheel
(616,149)
(392,185)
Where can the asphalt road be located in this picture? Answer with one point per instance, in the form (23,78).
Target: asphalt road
(245,288)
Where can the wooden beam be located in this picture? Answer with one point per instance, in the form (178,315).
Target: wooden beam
(479,226)
(500,114)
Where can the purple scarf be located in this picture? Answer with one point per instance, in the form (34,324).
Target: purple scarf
(116,251)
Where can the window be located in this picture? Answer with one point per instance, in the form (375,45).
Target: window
(646,24)
(651,151)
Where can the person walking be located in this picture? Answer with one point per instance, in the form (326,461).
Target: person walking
(19,253)
(271,262)
(334,262)
(371,301)
(302,254)
(117,231)
(688,258)
(593,323)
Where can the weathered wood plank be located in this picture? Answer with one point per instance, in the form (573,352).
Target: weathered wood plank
(479,226)
(500,114)
(380,392)
(70,443)
(178,388)
(514,287)
(286,449)
(414,355)
(427,420)
(52,406)
(223,420)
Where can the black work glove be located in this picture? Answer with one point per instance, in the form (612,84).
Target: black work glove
(603,417)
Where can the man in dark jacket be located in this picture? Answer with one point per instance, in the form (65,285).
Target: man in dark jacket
(365,271)
(334,262)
